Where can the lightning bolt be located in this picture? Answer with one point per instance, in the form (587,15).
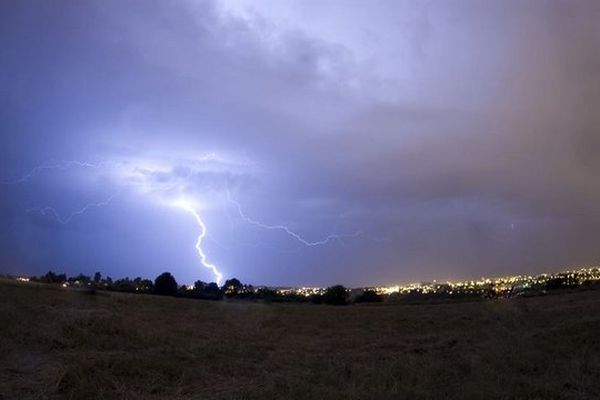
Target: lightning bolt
(151,187)
(64,221)
(184,205)
(287,230)
(63,165)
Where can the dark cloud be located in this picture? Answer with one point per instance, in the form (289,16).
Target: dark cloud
(460,139)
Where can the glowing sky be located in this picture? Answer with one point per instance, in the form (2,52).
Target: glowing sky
(437,139)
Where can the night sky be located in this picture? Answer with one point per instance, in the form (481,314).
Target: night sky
(365,142)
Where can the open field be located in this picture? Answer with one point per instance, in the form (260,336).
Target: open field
(60,343)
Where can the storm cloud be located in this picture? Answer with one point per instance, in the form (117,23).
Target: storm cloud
(460,138)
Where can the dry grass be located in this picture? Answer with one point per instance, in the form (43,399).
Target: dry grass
(57,343)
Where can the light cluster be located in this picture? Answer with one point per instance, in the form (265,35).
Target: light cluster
(300,291)
(490,287)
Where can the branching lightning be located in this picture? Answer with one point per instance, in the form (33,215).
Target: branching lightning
(63,165)
(287,230)
(187,206)
(149,182)
(184,205)
(64,221)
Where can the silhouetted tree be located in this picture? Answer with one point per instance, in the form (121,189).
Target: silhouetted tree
(51,277)
(232,287)
(314,298)
(184,291)
(336,295)
(212,292)
(369,296)
(97,277)
(123,285)
(556,283)
(142,285)
(146,286)
(203,290)
(266,294)
(80,280)
(165,284)
(245,292)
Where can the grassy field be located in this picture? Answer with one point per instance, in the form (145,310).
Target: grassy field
(60,343)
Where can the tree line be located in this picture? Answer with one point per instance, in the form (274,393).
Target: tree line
(165,284)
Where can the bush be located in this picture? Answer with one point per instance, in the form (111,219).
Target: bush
(165,284)
(336,295)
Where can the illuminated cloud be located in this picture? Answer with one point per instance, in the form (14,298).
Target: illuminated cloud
(460,139)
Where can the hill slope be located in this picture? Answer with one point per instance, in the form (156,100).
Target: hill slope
(57,343)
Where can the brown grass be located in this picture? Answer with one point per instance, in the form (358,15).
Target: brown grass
(59,343)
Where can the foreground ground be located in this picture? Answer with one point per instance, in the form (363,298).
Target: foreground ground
(59,343)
